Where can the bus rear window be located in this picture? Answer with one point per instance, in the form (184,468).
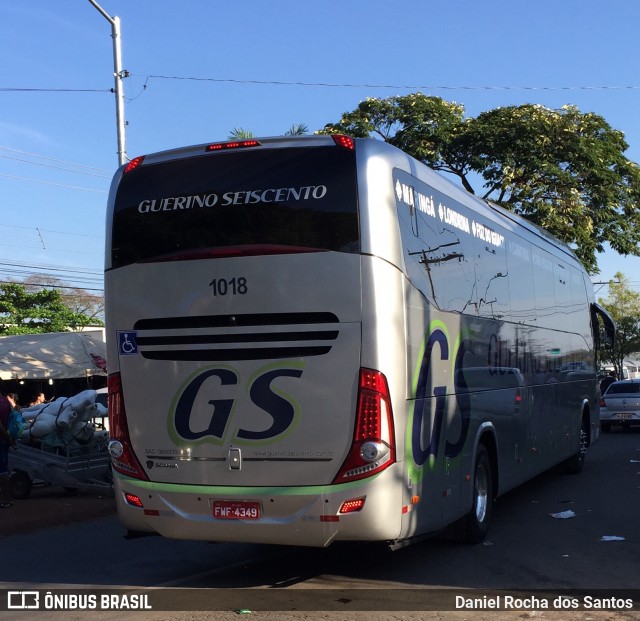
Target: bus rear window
(293,199)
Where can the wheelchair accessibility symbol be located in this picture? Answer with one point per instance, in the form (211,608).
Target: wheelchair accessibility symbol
(127,343)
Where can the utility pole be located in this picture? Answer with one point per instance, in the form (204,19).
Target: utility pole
(118,75)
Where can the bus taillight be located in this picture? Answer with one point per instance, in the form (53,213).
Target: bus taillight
(133,164)
(344,141)
(123,458)
(373,446)
(236,144)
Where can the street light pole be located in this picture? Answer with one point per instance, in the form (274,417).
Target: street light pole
(118,74)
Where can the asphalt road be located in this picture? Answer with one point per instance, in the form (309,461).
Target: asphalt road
(527,548)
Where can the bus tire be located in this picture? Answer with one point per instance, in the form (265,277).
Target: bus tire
(477,520)
(575,464)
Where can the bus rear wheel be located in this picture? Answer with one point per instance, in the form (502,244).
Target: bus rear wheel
(575,464)
(477,521)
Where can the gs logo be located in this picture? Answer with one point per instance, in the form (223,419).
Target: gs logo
(212,391)
(437,352)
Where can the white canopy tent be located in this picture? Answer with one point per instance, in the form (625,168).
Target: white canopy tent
(55,355)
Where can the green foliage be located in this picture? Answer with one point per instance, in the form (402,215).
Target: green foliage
(297,129)
(562,169)
(425,127)
(34,312)
(623,304)
(238,133)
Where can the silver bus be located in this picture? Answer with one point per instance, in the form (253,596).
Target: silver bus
(319,339)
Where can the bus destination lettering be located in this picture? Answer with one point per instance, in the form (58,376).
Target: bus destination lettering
(243,197)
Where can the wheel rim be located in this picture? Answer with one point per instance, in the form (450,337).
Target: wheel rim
(482,494)
(583,445)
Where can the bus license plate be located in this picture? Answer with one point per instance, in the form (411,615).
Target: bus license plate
(236,510)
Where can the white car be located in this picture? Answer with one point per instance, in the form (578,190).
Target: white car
(620,405)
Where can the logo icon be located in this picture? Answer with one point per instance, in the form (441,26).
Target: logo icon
(214,393)
(23,600)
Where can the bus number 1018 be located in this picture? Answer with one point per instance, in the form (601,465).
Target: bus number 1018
(231,286)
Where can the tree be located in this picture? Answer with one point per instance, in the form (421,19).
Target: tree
(297,129)
(24,312)
(238,133)
(79,300)
(561,169)
(623,304)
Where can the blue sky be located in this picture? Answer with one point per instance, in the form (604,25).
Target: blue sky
(58,149)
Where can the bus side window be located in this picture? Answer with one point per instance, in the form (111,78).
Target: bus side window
(492,287)
(523,308)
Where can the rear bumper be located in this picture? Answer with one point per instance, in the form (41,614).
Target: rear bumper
(613,418)
(305,516)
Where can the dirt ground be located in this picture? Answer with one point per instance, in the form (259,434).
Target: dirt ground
(516,615)
(49,506)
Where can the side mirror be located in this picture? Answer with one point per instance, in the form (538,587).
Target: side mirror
(597,312)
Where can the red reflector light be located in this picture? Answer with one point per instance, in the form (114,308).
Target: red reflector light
(329,518)
(237,144)
(133,164)
(344,141)
(133,500)
(351,506)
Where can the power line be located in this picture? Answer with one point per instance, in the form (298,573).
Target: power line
(31,228)
(50,162)
(59,276)
(459,87)
(79,172)
(60,185)
(59,250)
(34,240)
(75,278)
(54,90)
(82,276)
(52,286)
(387,86)
(52,159)
(36,266)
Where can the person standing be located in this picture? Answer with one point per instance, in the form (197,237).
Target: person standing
(5,444)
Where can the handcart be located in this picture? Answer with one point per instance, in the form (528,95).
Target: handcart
(77,468)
